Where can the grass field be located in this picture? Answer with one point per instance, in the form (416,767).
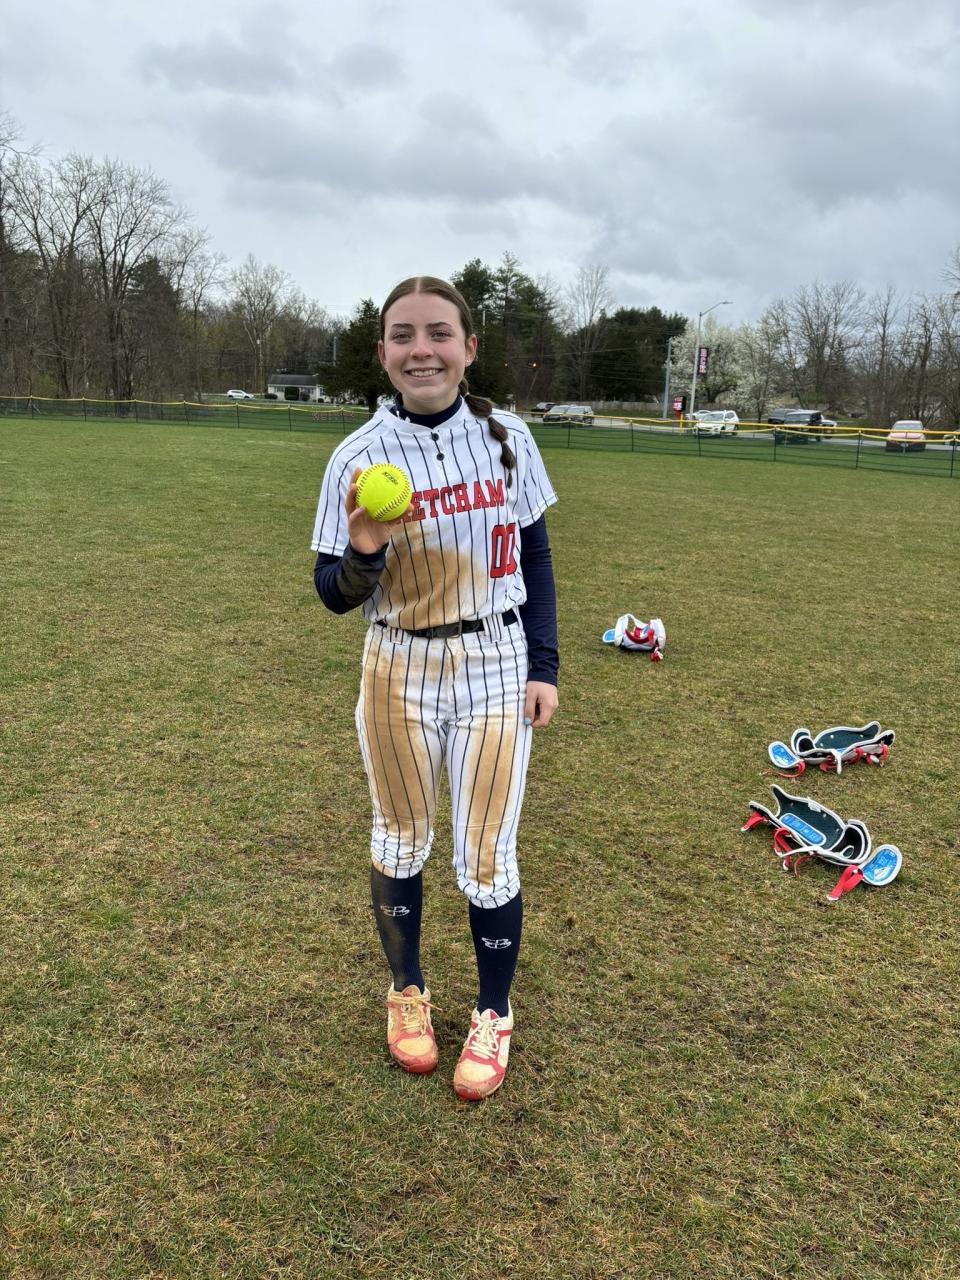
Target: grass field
(713,1074)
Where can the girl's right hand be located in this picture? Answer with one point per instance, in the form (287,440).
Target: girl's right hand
(366,534)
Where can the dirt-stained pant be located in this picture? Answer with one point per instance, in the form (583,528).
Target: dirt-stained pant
(459,701)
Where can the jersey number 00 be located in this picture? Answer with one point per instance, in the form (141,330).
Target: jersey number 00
(503,546)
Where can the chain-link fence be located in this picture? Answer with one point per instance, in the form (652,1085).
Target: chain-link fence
(927,453)
(855,447)
(271,417)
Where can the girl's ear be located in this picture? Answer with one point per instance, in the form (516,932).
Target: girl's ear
(471,349)
(380,353)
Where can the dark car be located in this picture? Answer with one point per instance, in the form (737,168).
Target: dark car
(576,413)
(795,419)
(543,406)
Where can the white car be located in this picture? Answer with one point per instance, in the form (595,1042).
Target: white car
(716,422)
(239,395)
(581,413)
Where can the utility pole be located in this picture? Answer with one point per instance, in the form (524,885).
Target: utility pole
(666,380)
(696,352)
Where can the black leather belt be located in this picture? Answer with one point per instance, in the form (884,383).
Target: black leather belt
(464,627)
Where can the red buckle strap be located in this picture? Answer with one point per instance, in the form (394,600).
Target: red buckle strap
(849,880)
(793,862)
(783,840)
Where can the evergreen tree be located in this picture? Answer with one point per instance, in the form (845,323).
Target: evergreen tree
(489,373)
(357,371)
(629,363)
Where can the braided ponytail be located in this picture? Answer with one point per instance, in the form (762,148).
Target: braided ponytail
(481,407)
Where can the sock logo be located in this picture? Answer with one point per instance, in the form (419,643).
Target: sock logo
(395,911)
(495,944)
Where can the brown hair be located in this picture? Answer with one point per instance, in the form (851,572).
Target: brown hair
(480,406)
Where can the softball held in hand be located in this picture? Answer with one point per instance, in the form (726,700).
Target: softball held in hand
(383,491)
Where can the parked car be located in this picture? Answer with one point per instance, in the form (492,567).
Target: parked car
(813,419)
(578,413)
(236,394)
(716,422)
(906,436)
(543,406)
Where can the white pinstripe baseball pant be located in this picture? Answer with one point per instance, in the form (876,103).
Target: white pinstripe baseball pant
(459,701)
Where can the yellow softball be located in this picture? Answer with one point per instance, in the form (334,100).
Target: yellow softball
(384,491)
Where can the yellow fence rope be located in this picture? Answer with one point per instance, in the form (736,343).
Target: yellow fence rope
(317,412)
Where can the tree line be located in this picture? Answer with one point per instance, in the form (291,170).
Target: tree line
(537,341)
(108,288)
(879,357)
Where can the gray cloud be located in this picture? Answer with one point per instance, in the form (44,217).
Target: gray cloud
(551,22)
(349,154)
(698,149)
(220,62)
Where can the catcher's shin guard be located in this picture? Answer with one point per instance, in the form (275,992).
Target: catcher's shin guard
(832,748)
(804,829)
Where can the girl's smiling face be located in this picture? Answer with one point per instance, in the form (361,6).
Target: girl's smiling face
(424,351)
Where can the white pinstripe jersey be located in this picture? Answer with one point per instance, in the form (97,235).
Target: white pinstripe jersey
(457,554)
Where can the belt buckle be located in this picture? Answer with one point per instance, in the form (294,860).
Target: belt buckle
(445,631)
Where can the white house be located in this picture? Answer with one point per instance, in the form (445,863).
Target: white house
(296,386)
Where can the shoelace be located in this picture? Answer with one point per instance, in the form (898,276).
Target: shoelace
(414,1012)
(482,1039)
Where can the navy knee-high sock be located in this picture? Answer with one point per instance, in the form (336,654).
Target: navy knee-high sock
(496,940)
(398,906)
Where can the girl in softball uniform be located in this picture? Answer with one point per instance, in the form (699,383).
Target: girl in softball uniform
(460,658)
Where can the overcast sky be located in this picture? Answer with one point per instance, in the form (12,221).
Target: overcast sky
(700,150)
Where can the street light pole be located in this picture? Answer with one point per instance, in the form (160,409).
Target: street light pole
(666,380)
(696,352)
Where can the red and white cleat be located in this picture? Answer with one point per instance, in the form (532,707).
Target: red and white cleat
(410,1037)
(483,1062)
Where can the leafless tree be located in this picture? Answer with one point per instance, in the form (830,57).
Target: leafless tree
(820,328)
(131,220)
(20,303)
(946,315)
(919,396)
(50,206)
(881,356)
(259,293)
(199,274)
(302,336)
(588,299)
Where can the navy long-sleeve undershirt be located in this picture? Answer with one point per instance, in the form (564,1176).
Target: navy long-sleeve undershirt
(344,582)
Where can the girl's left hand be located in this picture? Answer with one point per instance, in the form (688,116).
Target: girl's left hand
(541,703)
